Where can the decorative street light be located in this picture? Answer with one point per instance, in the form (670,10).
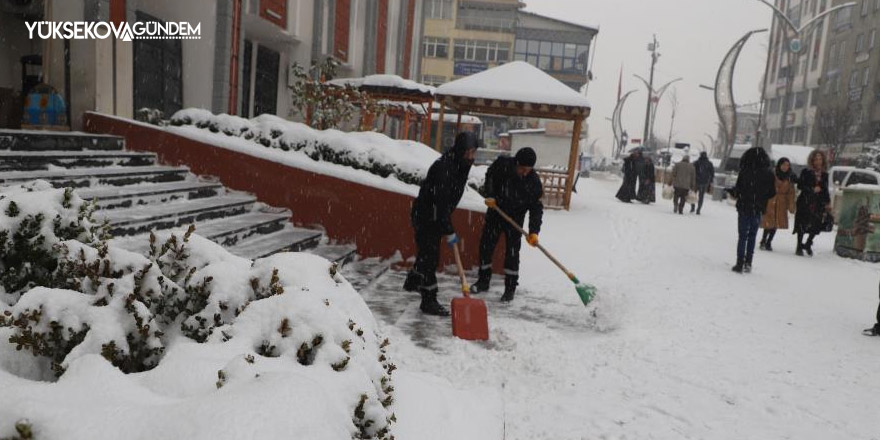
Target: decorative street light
(654,96)
(795,47)
(616,125)
(724,103)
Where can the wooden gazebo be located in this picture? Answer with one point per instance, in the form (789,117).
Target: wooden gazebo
(520,89)
(401,96)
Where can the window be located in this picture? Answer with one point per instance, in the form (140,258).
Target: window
(433,80)
(774,106)
(861,178)
(871,39)
(438,9)
(485,16)
(553,56)
(860,43)
(833,58)
(814,97)
(817,43)
(865,7)
(473,50)
(799,100)
(854,79)
(866,77)
(436,47)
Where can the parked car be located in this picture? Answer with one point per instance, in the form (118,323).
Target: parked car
(844,176)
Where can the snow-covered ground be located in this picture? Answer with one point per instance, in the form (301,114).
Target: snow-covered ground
(680,347)
(675,347)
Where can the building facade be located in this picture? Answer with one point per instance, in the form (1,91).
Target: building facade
(465,37)
(240,64)
(560,48)
(852,74)
(792,83)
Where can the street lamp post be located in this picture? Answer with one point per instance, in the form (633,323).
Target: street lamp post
(652,47)
(654,95)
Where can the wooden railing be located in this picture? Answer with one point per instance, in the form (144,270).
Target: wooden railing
(554,183)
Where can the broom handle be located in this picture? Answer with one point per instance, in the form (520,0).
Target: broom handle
(464,285)
(526,234)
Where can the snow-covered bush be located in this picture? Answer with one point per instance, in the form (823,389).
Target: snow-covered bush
(375,153)
(78,300)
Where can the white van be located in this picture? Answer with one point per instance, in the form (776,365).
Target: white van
(842,177)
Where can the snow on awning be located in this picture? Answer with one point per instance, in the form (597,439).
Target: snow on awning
(517,89)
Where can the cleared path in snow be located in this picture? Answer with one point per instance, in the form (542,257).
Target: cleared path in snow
(680,346)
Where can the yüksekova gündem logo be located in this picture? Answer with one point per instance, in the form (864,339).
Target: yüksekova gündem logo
(100,30)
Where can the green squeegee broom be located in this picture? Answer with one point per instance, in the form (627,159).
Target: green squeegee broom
(586,292)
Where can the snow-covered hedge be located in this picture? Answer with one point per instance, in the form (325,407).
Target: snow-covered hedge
(407,161)
(75,298)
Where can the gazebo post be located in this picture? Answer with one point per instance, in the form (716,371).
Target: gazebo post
(458,123)
(439,126)
(426,127)
(406,124)
(384,121)
(572,161)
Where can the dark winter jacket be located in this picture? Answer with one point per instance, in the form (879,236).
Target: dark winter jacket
(705,171)
(755,184)
(516,195)
(810,204)
(443,187)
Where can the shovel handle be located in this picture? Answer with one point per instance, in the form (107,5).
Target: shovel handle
(465,289)
(526,234)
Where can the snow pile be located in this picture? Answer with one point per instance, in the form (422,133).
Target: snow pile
(387,81)
(198,337)
(377,154)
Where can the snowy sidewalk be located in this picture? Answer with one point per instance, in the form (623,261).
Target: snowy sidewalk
(680,346)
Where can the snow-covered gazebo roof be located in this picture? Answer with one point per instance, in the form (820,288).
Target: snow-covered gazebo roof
(520,89)
(389,86)
(514,89)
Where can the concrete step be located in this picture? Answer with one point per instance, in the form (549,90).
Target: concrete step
(37,140)
(337,253)
(361,273)
(11,160)
(289,239)
(113,197)
(89,177)
(231,230)
(143,219)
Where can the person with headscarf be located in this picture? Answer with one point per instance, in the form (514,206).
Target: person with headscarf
(647,188)
(431,217)
(754,187)
(813,203)
(627,191)
(776,215)
(512,186)
(705,175)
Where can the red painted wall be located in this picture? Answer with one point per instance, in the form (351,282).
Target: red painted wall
(340,33)
(375,220)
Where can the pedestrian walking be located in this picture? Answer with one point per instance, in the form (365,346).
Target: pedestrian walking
(627,191)
(705,176)
(513,186)
(431,217)
(754,187)
(647,187)
(812,203)
(776,214)
(684,180)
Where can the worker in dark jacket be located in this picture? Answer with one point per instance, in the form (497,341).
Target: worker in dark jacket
(432,218)
(514,187)
(755,185)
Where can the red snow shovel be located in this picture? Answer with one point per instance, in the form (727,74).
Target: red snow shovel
(470,319)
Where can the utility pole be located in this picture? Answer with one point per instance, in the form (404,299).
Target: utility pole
(654,55)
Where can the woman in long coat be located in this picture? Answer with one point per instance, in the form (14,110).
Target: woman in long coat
(627,190)
(776,215)
(813,201)
(647,188)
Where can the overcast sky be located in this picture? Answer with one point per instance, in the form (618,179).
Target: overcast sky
(694,36)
